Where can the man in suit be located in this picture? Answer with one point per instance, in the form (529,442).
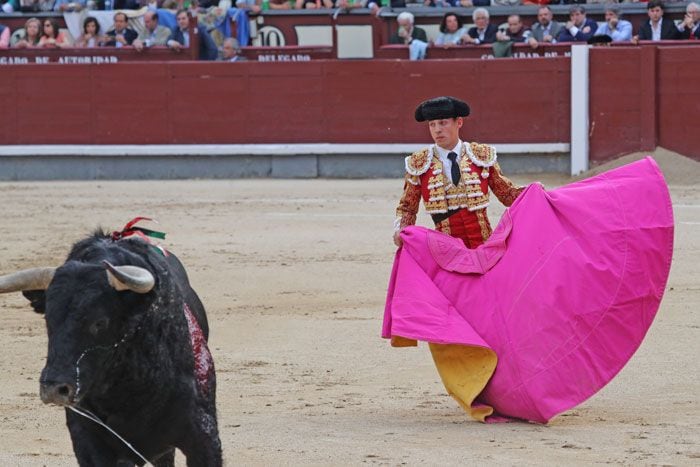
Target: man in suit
(578,28)
(121,34)
(545,30)
(407,32)
(230,51)
(656,28)
(690,27)
(180,38)
(484,32)
(153,34)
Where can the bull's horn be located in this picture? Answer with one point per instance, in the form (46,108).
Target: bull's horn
(29,279)
(132,278)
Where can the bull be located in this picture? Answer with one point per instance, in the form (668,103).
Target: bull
(127,346)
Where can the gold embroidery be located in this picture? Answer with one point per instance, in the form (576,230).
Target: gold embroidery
(443,226)
(483,223)
(418,162)
(482,155)
(505,190)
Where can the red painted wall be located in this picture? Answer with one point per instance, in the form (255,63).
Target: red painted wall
(643,97)
(679,100)
(321,101)
(620,118)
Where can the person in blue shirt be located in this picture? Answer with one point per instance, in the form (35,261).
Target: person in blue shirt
(618,29)
(578,28)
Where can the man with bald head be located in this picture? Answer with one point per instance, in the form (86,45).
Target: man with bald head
(452,176)
(153,34)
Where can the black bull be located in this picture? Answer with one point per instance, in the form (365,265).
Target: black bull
(127,342)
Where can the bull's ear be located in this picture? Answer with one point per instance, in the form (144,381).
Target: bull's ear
(37,299)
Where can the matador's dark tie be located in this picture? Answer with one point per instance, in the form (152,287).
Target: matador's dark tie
(452,156)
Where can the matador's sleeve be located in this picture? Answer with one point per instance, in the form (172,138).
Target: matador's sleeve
(407,209)
(502,187)
(416,165)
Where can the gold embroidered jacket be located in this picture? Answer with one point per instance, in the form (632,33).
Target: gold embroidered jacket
(426,179)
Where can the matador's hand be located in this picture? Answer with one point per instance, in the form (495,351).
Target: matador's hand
(397,239)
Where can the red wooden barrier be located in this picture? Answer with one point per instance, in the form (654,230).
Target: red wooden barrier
(251,102)
(679,99)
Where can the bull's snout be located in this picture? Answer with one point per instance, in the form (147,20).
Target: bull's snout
(57,393)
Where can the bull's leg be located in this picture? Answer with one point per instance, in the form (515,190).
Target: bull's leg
(203,447)
(88,446)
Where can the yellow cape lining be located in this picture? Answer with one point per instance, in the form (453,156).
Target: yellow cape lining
(464,371)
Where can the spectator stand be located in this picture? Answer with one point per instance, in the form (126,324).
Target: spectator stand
(354,34)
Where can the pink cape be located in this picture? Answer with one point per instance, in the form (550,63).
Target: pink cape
(563,292)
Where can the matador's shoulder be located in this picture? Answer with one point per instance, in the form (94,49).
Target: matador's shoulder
(483,155)
(418,162)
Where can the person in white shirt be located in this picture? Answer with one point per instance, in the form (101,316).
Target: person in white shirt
(656,28)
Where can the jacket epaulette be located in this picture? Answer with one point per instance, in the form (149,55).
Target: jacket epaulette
(418,162)
(483,155)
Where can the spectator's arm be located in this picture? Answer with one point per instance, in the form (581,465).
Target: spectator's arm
(172,42)
(623,32)
(5,38)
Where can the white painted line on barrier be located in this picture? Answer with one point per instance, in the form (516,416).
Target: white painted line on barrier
(319,214)
(154,150)
(579,109)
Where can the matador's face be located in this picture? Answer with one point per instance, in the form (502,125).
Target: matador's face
(445,131)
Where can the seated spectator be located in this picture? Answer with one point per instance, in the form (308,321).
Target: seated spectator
(280,5)
(451,31)
(471,3)
(545,29)
(407,32)
(313,4)
(505,3)
(63,6)
(31,36)
(441,3)
(180,38)
(119,4)
(9,6)
(578,28)
(52,37)
(655,28)
(4,37)
(230,51)
(617,28)
(689,28)
(375,5)
(253,6)
(91,34)
(153,33)
(348,4)
(515,32)
(121,34)
(36,5)
(484,32)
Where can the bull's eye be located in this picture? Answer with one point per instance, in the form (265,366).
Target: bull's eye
(99,326)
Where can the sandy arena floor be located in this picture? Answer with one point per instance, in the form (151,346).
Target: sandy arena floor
(294,275)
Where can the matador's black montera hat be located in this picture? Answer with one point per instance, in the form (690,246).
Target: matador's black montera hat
(441,107)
